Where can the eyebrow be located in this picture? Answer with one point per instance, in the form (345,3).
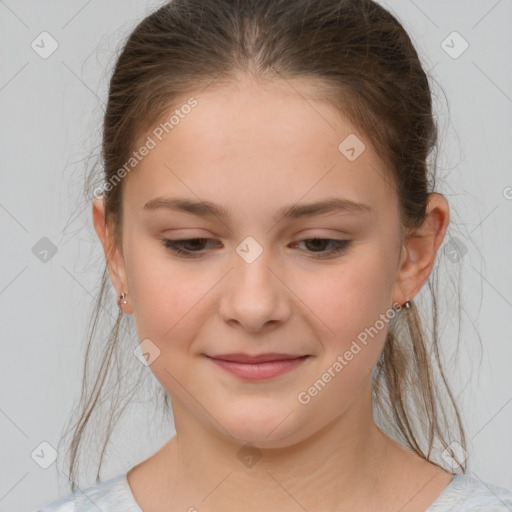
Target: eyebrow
(295,211)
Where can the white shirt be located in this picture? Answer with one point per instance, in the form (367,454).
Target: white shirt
(462,494)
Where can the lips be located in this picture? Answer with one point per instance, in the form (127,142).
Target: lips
(258,366)
(257,358)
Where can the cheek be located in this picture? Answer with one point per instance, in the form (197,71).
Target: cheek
(351,303)
(354,302)
(351,294)
(163,293)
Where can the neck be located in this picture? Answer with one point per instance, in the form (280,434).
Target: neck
(342,462)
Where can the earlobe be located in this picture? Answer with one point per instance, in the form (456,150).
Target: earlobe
(420,249)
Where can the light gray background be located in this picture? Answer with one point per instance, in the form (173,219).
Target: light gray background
(50,122)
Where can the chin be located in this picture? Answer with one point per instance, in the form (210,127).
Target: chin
(266,428)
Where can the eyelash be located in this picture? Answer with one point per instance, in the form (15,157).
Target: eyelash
(175,246)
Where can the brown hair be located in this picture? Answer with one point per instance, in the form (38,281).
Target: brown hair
(368,68)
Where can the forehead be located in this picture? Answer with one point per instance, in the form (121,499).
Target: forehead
(259,143)
(259,120)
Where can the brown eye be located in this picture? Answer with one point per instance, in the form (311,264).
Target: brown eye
(179,248)
(194,247)
(319,244)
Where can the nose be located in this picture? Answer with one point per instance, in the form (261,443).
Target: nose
(255,297)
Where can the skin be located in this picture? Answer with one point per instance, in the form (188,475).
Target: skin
(283,150)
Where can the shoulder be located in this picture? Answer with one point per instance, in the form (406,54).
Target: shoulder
(466,493)
(107,496)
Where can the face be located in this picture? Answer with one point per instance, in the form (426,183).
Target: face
(257,282)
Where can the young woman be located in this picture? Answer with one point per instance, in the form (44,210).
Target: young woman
(268,217)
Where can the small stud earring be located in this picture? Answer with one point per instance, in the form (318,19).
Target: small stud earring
(407,304)
(122,299)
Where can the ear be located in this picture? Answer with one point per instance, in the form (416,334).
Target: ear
(113,253)
(420,248)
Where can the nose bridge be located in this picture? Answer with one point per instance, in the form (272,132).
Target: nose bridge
(252,264)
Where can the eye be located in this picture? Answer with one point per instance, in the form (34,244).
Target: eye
(337,246)
(178,247)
